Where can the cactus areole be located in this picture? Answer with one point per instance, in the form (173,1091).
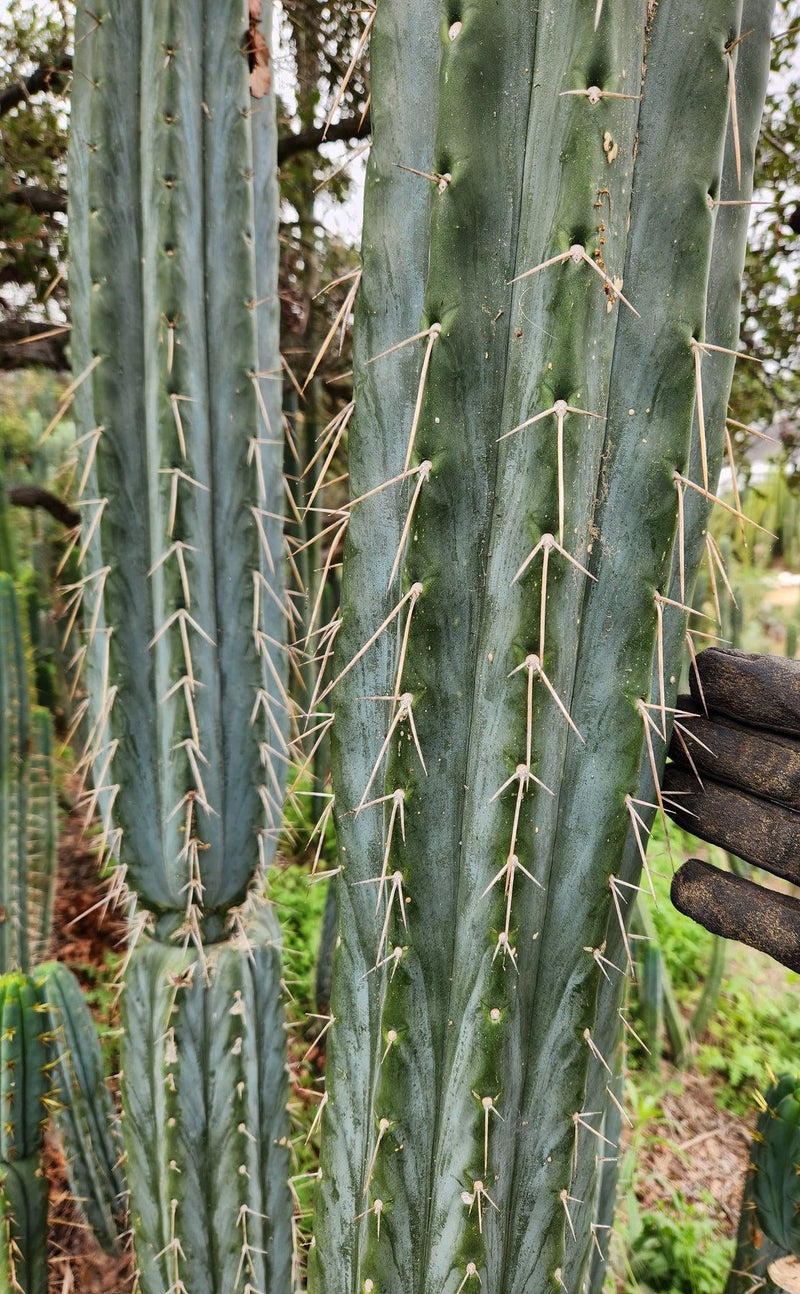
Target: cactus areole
(544,348)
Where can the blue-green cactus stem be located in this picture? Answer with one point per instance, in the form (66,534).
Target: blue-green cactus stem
(172,160)
(42,842)
(204,1089)
(731,220)
(768,1223)
(24,1267)
(14,743)
(84,1110)
(174,227)
(569,161)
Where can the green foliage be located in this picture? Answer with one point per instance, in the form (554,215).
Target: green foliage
(680,1254)
(33,145)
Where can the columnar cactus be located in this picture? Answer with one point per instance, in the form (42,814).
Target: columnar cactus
(768,1225)
(82,1105)
(27,800)
(26,1057)
(174,242)
(540,378)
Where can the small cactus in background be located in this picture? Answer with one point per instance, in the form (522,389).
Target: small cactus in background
(82,1106)
(26,1092)
(174,250)
(543,354)
(769,1223)
(50,1060)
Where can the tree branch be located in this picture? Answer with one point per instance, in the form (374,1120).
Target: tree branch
(24,342)
(43,202)
(354,127)
(33,496)
(51,76)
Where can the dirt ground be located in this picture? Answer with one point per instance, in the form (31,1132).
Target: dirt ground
(697,1149)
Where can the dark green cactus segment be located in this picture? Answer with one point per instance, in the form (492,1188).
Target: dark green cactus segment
(170,157)
(204,1086)
(85,1116)
(549,419)
(775,1155)
(25,1064)
(23,1227)
(26,1057)
(722,324)
(14,742)
(768,1223)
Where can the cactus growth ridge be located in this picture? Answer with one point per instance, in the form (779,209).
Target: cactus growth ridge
(533,452)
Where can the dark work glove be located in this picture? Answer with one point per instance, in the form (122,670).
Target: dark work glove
(746,755)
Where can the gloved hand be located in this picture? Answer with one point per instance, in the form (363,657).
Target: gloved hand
(746,752)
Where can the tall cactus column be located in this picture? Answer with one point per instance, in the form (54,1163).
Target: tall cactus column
(173,220)
(533,337)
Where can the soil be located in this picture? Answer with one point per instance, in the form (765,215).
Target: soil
(696,1149)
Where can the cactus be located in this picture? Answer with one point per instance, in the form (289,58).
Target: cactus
(174,245)
(769,1223)
(14,741)
(27,800)
(83,1109)
(541,468)
(26,1096)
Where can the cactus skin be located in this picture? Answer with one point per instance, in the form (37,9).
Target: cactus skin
(42,843)
(768,1224)
(722,319)
(23,1227)
(84,1111)
(14,742)
(27,800)
(204,1116)
(174,228)
(26,1099)
(400,1206)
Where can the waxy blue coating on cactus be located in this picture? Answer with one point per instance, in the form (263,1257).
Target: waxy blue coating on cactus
(42,834)
(549,419)
(204,1090)
(722,317)
(84,1109)
(174,251)
(175,296)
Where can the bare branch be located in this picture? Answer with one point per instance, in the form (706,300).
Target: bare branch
(52,76)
